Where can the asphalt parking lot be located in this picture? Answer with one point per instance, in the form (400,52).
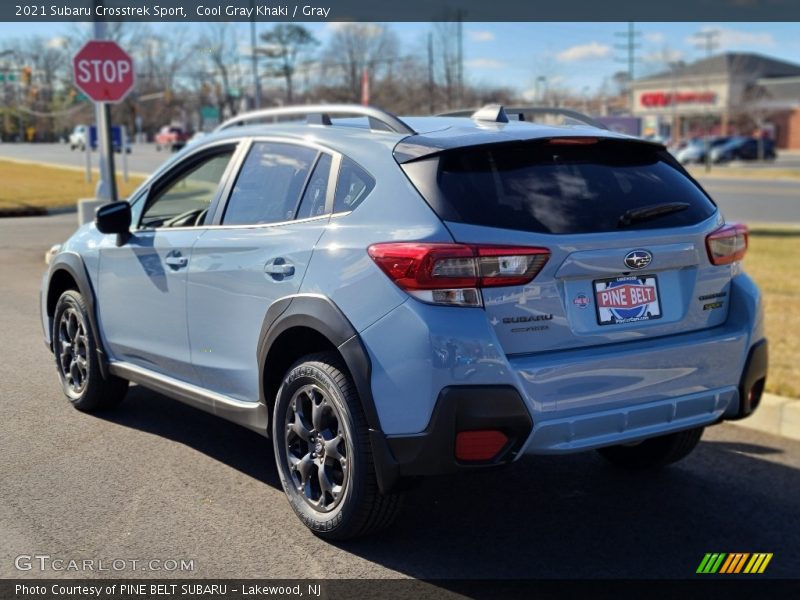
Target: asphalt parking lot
(159,480)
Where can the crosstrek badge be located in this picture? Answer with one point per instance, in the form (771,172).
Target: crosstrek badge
(627,299)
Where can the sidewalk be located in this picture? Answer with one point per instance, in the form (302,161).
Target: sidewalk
(776,415)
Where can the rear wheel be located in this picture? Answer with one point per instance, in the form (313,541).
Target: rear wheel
(653,453)
(323,452)
(76,358)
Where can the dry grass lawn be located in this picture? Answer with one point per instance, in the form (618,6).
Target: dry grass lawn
(25,185)
(773,262)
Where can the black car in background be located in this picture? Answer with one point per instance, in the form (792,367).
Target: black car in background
(743,148)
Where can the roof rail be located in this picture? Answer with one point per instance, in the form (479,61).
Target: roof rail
(499,114)
(320,114)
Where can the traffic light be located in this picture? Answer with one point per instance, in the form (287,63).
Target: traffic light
(27,73)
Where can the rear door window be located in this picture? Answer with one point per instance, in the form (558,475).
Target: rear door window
(269,184)
(313,201)
(563,188)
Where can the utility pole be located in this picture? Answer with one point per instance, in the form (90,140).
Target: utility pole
(629,46)
(707,40)
(460,34)
(431,91)
(254,58)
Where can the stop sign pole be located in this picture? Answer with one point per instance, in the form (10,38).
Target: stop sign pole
(104,72)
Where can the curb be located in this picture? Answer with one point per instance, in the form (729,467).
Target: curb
(23,211)
(776,415)
(36,211)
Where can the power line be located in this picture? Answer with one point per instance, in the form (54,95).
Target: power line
(629,47)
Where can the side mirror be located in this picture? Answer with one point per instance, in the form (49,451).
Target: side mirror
(114,217)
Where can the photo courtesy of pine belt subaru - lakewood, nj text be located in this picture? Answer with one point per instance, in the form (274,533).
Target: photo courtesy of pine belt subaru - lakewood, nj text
(393,298)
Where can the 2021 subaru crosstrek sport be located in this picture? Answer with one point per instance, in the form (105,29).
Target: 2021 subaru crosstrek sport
(388,299)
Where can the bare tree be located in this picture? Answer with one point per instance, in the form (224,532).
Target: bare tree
(358,46)
(446,60)
(286,44)
(218,47)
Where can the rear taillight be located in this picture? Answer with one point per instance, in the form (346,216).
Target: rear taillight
(727,244)
(454,273)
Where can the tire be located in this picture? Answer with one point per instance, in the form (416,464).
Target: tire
(318,399)
(76,358)
(653,453)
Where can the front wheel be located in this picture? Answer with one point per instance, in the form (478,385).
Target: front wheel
(653,453)
(76,358)
(323,452)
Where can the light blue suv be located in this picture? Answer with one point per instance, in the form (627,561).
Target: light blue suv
(388,299)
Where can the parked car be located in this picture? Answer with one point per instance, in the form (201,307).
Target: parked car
(393,298)
(695,150)
(79,137)
(743,148)
(171,138)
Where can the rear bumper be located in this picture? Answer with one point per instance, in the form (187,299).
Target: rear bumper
(463,408)
(607,428)
(754,378)
(576,399)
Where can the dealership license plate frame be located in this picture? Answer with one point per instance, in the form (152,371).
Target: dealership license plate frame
(643,319)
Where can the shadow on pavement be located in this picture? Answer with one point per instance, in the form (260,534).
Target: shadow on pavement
(548,517)
(230,444)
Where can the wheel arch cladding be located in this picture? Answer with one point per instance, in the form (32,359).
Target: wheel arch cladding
(68,271)
(302,324)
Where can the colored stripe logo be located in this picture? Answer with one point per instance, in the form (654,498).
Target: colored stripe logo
(736,562)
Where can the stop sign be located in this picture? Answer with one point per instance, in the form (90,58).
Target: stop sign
(103,71)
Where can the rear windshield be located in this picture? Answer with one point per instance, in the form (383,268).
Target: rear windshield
(545,187)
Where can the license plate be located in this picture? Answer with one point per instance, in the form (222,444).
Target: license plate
(628,299)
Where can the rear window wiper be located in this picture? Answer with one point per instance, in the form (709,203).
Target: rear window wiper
(648,213)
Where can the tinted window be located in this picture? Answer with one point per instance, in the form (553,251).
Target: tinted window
(565,188)
(269,185)
(313,202)
(352,187)
(184,201)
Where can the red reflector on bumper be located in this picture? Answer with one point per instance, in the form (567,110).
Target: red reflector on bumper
(479,445)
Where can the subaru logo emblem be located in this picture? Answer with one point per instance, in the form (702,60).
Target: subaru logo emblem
(638,259)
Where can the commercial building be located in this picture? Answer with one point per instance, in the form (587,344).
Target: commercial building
(726,94)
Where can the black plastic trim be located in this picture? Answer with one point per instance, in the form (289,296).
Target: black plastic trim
(754,376)
(463,408)
(322,315)
(75,267)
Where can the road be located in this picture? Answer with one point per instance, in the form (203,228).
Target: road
(749,200)
(158,480)
(756,201)
(143,159)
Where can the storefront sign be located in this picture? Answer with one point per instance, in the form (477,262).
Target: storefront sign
(657,99)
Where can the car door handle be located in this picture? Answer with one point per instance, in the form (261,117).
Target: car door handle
(176,261)
(279,267)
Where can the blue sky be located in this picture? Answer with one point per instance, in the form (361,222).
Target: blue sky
(579,56)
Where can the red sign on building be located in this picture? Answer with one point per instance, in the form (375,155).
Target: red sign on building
(655,99)
(103,71)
